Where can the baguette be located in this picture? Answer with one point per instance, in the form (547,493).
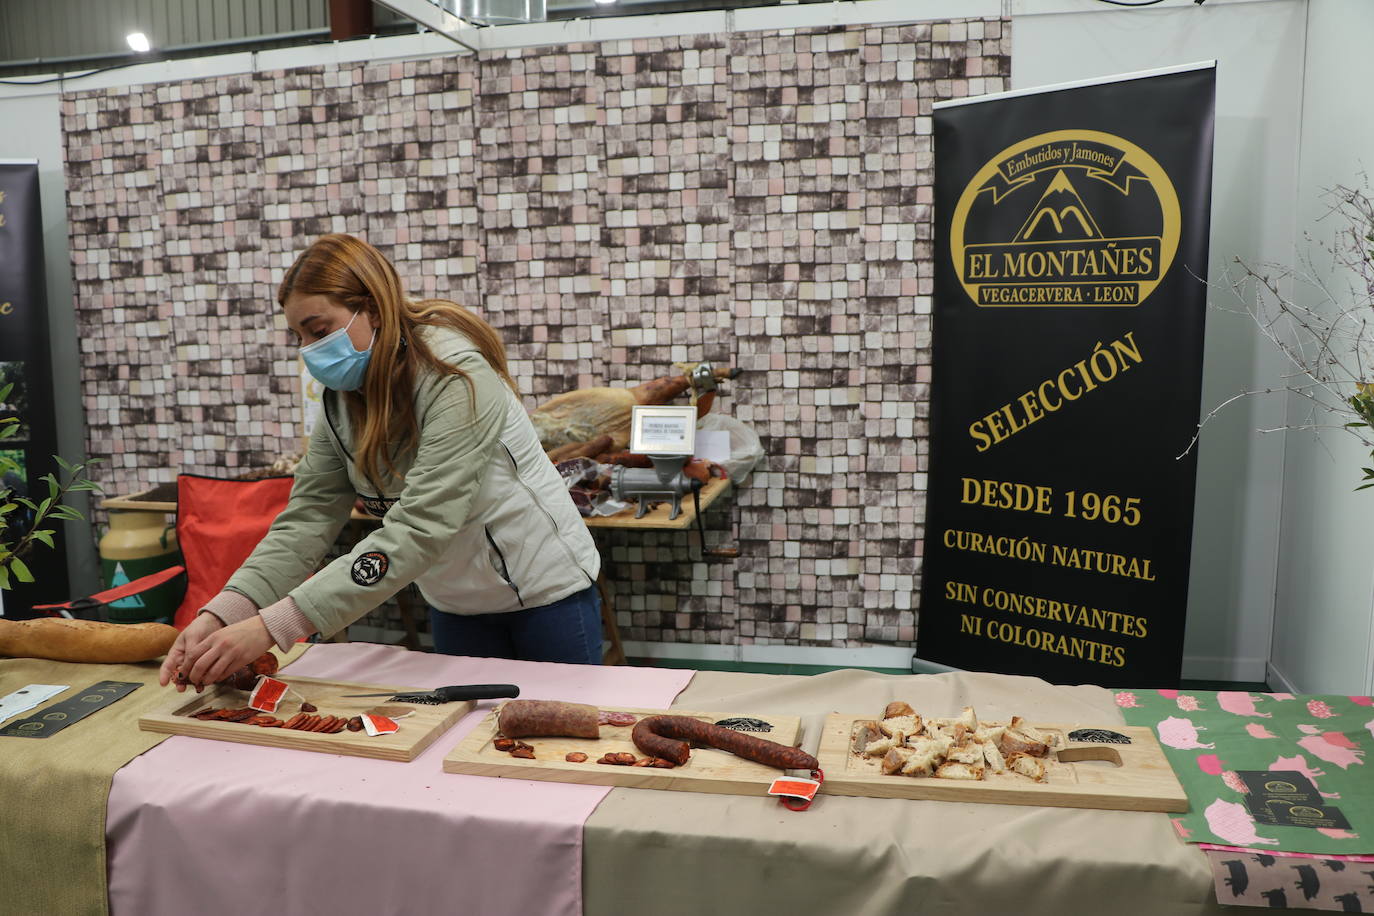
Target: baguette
(64,640)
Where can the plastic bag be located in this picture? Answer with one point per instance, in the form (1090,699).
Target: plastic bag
(746,450)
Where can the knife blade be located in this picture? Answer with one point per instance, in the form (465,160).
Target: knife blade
(448,694)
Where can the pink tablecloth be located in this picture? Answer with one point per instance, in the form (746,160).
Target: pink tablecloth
(200,826)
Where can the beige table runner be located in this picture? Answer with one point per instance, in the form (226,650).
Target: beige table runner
(688,853)
(53,790)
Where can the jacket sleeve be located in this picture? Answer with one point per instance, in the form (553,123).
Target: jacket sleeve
(321,498)
(459,433)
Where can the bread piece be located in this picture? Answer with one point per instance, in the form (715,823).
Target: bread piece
(1015,741)
(901,726)
(990,733)
(895,759)
(970,753)
(941,743)
(881,746)
(89,641)
(1027,766)
(897,708)
(967,717)
(865,733)
(950,770)
(1021,725)
(995,761)
(956,732)
(922,761)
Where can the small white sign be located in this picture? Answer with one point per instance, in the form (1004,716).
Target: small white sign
(663,430)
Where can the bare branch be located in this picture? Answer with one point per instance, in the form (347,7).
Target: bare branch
(1324,333)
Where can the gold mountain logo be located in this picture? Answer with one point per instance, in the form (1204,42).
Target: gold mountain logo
(1071,218)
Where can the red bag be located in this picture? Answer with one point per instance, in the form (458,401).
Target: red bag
(219,522)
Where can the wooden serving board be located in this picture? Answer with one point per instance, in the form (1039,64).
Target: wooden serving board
(1123,777)
(417,731)
(707,770)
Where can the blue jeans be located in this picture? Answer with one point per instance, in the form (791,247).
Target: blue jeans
(568,630)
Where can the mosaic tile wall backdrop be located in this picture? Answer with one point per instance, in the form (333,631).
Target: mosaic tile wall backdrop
(755,199)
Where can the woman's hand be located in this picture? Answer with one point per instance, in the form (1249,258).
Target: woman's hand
(187,646)
(226,650)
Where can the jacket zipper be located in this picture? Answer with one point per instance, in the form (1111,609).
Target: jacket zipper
(505,570)
(552,524)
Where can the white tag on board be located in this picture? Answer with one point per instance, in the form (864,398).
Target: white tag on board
(27,697)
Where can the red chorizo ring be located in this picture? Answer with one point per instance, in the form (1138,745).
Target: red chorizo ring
(654,736)
(547,718)
(246,677)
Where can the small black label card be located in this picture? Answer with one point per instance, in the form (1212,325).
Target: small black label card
(1288,785)
(1287,798)
(55,718)
(1291,814)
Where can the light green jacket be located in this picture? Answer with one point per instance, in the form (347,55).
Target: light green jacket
(480,520)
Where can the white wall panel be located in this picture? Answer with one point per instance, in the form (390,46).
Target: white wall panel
(1324,628)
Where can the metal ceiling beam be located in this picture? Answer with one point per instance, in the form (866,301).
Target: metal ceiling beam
(437,20)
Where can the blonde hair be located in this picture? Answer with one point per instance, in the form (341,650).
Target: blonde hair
(356,275)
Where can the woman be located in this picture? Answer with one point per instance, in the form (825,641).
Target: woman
(422,422)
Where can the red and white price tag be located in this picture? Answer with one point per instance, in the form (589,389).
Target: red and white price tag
(379,725)
(795,787)
(267,694)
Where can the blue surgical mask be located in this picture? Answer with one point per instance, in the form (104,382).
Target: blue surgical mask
(333,361)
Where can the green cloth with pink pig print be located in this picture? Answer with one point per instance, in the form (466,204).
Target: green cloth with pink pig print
(1208,736)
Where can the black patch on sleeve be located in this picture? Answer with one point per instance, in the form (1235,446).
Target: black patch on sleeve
(370,567)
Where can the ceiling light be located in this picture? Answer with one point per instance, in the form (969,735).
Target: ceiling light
(605,2)
(138,41)
(502,12)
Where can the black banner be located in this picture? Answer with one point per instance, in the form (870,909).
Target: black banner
(25,361)
(1071,247)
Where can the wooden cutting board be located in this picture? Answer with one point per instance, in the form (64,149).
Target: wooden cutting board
(1079,774)
(417,731)
(707,770)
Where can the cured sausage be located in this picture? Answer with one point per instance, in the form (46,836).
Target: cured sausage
(668,736)
(547,718)
(247,676)
(610,717)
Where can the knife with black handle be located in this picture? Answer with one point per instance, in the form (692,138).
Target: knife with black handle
(449,694)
